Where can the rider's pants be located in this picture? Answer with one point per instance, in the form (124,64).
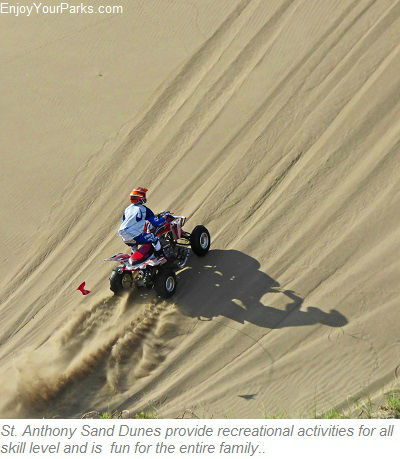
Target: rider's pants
(145,238)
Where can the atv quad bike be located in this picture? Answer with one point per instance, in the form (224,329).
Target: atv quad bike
(144,269)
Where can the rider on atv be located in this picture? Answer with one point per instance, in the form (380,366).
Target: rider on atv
(134,221)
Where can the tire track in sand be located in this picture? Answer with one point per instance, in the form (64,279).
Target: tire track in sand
(94,351)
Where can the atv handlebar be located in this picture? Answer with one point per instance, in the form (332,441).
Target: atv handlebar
(166,214)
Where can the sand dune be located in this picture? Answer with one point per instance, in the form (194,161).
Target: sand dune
(275,124)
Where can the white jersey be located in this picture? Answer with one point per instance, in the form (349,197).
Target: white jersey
(134,220)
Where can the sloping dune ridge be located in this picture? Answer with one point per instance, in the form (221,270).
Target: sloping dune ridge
(279,131)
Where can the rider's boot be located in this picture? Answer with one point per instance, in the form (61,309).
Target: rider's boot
(158,251)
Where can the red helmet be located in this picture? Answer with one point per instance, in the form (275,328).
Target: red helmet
(138,195)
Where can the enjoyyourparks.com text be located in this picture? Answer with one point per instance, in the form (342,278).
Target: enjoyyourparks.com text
(31,9)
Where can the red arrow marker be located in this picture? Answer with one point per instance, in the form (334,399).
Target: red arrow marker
(82,289)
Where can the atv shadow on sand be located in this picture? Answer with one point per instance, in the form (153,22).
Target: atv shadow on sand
(229,283)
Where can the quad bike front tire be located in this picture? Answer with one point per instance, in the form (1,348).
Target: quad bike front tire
(165,283)
(200,240)
(120,282)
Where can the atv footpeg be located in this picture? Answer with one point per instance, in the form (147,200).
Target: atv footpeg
(182,256)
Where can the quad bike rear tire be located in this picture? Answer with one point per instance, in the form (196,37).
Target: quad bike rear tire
(165,283)
(200,240)
(120,282)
